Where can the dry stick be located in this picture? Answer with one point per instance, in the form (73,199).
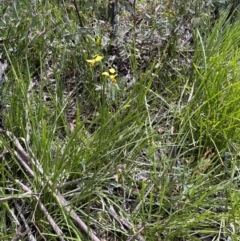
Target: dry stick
(112,16)
(78,14)
(136,235)
(24,160)
(134,14)
(28,231)
(44,210)
(79,17)
(125,223)
(55,227)
(18,236)
(112,212)
(28,125)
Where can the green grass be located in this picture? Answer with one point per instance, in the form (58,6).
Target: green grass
(155,157)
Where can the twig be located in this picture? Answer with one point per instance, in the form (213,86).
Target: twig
(19,235)
(26,226)
(78,14)
(25,160)
(113,213)
(112,16)
(79,18)
(125,223)
(134,14)
(54,226)
(69,183)
(137,235)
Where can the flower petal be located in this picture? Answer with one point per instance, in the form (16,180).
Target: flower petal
(91,62)
(105,73)
(113,78)
(98,58)
(112,71)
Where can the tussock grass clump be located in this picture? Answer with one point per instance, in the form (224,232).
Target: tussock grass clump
(212,110)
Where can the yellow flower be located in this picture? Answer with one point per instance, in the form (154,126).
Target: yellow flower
(111,74)
(93,61)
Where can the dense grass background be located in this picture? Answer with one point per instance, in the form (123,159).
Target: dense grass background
(152,156)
